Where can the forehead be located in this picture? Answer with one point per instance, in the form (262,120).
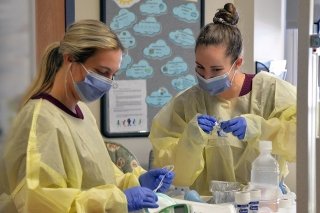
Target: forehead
(211,54)
(104,56)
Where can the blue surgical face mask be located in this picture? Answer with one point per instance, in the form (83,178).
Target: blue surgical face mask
(216,84)
(93,87)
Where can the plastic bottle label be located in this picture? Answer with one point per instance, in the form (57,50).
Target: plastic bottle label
(244,208)
(254,206)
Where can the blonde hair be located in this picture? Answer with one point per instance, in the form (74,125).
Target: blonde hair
(81,41)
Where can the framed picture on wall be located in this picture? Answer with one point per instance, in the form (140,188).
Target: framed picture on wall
(159,37)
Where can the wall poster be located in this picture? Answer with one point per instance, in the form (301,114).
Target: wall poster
(159,37)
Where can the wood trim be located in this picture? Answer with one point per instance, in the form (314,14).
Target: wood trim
(50,24)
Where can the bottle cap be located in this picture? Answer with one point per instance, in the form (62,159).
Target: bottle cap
(285,203)
(242,197)
(265,145)
(255,194)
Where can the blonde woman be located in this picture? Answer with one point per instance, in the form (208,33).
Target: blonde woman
(55,159)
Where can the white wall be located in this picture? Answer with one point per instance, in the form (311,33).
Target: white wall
(17,58)
(269,29)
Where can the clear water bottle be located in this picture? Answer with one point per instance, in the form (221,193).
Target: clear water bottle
(265,176)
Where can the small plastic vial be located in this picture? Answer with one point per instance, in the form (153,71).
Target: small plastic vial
(255,196)
(242,200)
(285,206)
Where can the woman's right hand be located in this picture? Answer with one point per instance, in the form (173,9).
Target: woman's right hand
(140,197)
(206,123)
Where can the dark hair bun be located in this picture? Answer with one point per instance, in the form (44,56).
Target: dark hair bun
(228,15)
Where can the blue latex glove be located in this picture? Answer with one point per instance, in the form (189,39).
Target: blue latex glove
(206,123)
(152,179)
(193,195)
(236,125)
(140,197)
(283,187)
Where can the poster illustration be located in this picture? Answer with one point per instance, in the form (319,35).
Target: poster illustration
(159,37)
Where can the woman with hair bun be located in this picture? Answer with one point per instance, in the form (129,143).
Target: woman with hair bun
(247,107)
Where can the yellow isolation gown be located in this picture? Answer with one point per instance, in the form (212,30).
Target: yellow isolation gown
(56,162)
(198,158)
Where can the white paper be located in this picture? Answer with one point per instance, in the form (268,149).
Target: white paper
(277,66)
(127,106)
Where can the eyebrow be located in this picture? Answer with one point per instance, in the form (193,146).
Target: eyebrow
(108,69)
(218,66)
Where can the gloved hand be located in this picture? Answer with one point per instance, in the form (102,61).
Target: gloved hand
(193,195)
(283,187)
(152,179)
(206,123)
(236,125)
(140,197)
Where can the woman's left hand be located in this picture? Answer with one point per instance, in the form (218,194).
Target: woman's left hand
(237,126)
(152,179)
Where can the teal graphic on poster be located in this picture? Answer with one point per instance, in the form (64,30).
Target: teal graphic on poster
(147,27)
(126,61)
(127,40)
(174,67)
(153,7)
(140,70)
(123,20)
(159,97)
(183,38)
(157,50)
(184,82)
(186,12)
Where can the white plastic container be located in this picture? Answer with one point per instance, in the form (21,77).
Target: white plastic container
(255,197)
(242,200)
(223,191)
(265,176)
(286,206)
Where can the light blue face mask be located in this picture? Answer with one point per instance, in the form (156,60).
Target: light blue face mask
(93,87)
(216,84)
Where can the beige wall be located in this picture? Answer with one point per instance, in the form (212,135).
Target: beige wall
(141,146)
(246,13)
